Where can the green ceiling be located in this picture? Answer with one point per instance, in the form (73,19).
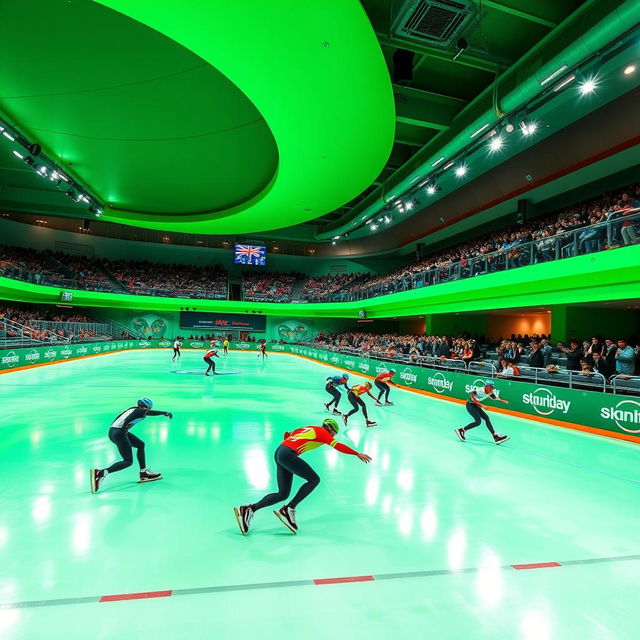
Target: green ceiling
(202,116)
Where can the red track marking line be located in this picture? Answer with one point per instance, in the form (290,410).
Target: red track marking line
(136,596)
(342,580)
(535,565)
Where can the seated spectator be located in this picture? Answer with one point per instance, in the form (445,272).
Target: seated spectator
(536,358)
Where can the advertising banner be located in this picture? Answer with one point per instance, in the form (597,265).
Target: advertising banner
(605,411)
(222,321)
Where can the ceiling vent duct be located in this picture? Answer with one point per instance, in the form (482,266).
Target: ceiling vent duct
(436,23)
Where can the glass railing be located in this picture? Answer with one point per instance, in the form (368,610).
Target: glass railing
(594,381)
(615,232)
(619,230)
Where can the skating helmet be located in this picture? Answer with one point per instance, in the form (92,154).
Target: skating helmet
(392,370)
(345,376)
(368,385)
(490,383)
(145,402)
(331,424)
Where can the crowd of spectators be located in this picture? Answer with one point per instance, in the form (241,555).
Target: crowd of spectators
(545,238)
(95,274)
(179,280)
(28,264)
(258,286)
(606,356)
(495,250)
(32,326)
(319,288)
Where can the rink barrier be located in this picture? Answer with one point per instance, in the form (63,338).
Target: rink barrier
(585,410)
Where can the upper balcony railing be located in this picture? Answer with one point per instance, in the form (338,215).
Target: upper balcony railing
(621,229)
(612,233)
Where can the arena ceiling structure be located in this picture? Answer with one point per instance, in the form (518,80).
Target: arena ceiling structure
(343,122)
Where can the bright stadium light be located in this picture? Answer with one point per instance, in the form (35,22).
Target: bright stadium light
(18,154)
(630,69)
(431,189)
(461,170)
(496,144)
(587,86)
(374,227)
(528,128)
(438,161)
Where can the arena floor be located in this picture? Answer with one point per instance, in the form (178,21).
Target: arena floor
(535,539)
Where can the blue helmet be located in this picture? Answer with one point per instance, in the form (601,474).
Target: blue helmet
(145,402)
(345,376)
(490,383)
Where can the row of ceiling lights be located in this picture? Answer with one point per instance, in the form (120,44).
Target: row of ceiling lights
(31,154)
(496,141)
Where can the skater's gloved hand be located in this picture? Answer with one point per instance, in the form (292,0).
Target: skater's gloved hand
(168,414)
(364,457)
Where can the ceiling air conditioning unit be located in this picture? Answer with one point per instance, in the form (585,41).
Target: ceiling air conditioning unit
(436,23)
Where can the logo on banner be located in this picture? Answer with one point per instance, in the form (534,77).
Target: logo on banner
(324,356)
(143,344)
(439,382)
(277,347)
(66,352)
(81,351)
(364,367)
(243,345)
(407,376)
(626,415)
(11,359)
(478,382)
(197,344)
(334,359)
(50,354)
(96,348)
(32,356)
(381,368)
(545,402)
(350,364)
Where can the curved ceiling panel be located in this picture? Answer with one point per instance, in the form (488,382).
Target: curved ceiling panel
(237,116)
(143,120)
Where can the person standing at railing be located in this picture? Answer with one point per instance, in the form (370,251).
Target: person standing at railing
(625,358)
(629,206)
(547,351)
(600,365)
(610,348)
(476,409)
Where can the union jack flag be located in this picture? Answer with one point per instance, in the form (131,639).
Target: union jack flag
(250,254)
